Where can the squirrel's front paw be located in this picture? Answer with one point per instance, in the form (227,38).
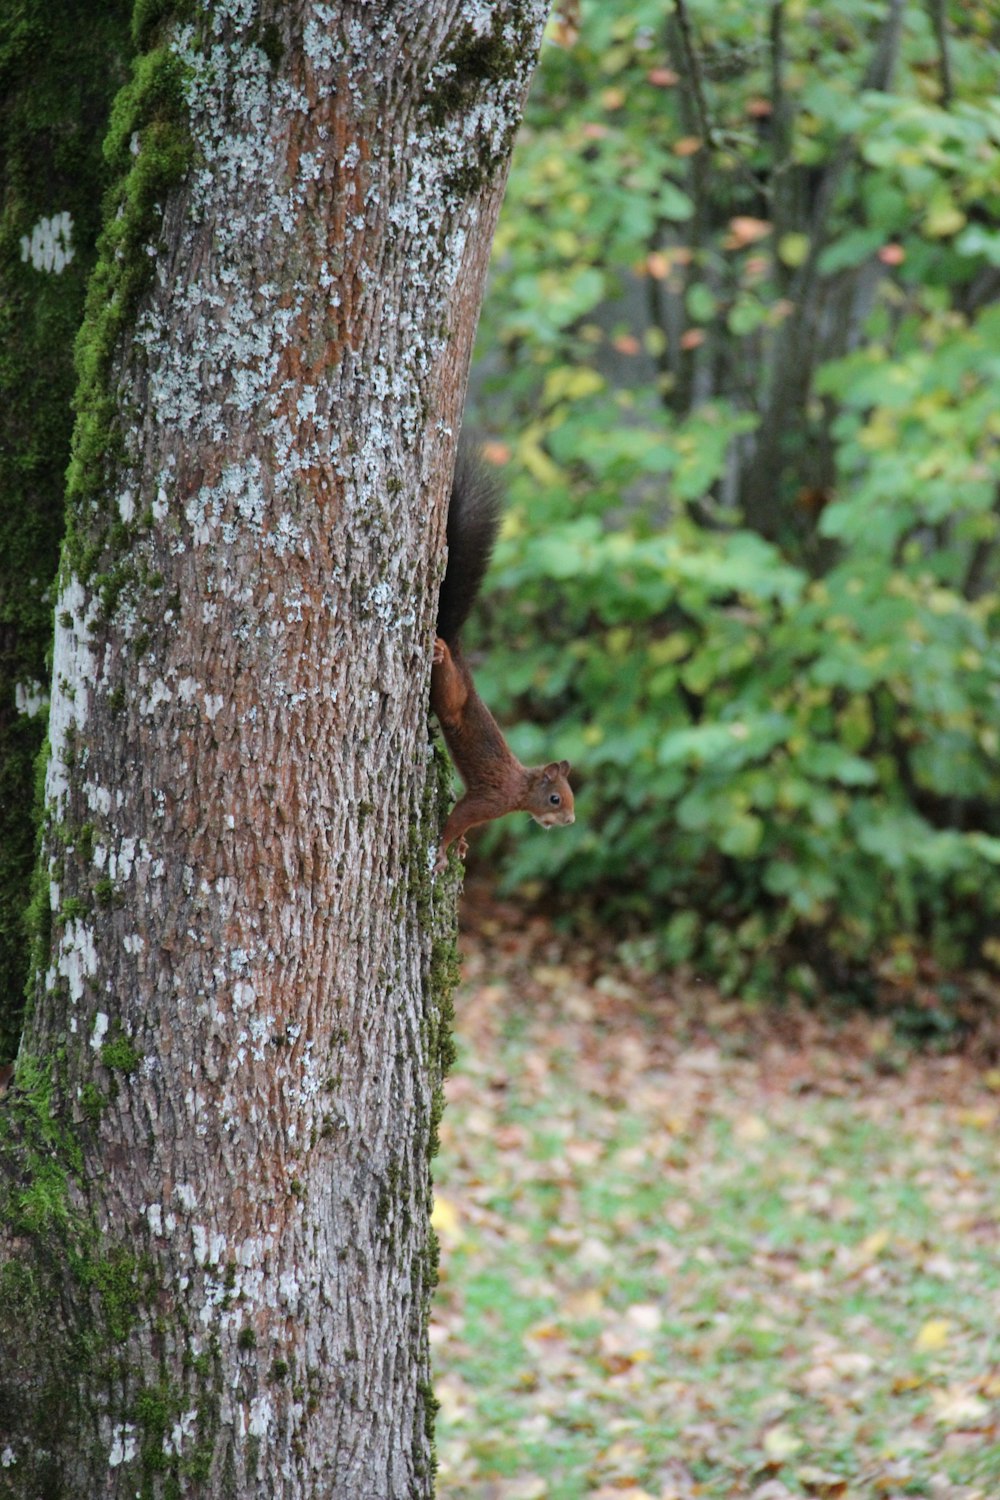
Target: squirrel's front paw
(440,649)
(461,847)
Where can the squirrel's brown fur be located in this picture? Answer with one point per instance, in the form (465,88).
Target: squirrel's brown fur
(496,783)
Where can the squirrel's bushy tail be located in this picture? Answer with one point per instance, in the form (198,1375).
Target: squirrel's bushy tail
(474,514)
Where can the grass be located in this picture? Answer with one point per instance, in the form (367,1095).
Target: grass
(694,1251)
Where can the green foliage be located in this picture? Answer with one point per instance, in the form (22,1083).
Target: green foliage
(742,345)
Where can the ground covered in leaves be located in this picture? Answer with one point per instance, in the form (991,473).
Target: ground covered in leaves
(691,1249)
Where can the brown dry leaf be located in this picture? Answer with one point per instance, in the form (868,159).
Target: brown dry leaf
(959,1407)
(820,1483)
(624,1490)
(526,1487)
(744,230)
(495,452)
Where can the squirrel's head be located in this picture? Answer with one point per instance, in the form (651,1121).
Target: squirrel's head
(550,800)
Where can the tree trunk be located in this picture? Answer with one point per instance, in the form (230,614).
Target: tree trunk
(216,1255)
(57,79)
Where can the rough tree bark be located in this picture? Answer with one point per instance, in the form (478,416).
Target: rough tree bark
(215,1255)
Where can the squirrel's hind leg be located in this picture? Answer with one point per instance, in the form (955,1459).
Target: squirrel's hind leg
(449,689)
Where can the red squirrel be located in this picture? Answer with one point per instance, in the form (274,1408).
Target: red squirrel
(495,780)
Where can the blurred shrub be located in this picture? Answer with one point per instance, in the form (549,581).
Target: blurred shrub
(769,764)
(748,582)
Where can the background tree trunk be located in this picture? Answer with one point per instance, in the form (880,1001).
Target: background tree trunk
(57,79)
(216,1255)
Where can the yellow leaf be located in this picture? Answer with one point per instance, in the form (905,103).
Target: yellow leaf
(566,384)
(933,1335)
(780,1443)
(581,1306)
(871,1247)
(750,1128)
(904,1383)
(793,249)
(943,219)
(445,1216)
(979,1119)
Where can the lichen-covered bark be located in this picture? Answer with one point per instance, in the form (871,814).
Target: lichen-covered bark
(215,1162)
(59,67)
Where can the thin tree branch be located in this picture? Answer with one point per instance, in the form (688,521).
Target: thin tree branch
(791,368)
(936,11)
(692,64)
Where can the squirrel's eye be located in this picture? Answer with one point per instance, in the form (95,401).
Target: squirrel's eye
(555,799)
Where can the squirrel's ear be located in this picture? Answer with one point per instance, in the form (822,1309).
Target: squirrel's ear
(564,768)
(551,771)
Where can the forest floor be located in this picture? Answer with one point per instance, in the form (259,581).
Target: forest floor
(694,1248)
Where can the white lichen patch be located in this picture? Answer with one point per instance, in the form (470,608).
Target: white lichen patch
(98,798)
(74,673)
(120,864)
(76,960)
(30,698)
(223,510)
(182,1429)
(186,1196)
(49,246)
(100,1031)
(158,692)
(260,1416)
(123,1445)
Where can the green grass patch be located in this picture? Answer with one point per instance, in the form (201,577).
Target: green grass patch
(688,1275)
